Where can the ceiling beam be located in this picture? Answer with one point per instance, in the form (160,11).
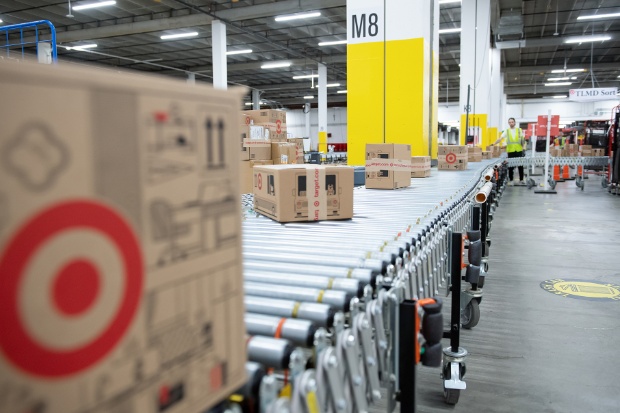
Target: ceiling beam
(541,42)
(529,89)
(193,20)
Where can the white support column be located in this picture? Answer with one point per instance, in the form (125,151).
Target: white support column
(475,33)
(191,78)
(255,99)
(497,90)
(322,135)
(218,50)
(44,52)
(307,107)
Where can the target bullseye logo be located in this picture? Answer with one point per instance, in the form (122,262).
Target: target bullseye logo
(260,181)
(451,158)
(71,284)
(278,126)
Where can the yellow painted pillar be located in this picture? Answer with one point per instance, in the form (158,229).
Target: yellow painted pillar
(478,128)
(388,66)
(492,131)
(323,142)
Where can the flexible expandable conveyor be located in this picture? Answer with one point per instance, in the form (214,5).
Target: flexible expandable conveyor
(367,289)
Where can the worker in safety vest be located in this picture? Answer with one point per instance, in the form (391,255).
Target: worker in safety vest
(515,147)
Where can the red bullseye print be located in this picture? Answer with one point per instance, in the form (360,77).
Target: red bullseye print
(450,158)
(75,286)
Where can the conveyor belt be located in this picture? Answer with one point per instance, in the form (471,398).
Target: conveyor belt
(395,247)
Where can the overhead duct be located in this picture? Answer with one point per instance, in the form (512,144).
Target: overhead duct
(510,24)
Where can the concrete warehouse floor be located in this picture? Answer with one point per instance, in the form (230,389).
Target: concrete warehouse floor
(534,351)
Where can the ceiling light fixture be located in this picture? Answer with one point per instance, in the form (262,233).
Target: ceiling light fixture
(275,65)
(555,79)
(443,31)
(586,39)
(344,91)
(598,16)
(329,85)
(178,35)
(305,77)
(242,51)
(568,70)
(308,97)
(449,1)
(560,97)
(82,46)
(93,5)
(297,16)
(335,42)
(559,84)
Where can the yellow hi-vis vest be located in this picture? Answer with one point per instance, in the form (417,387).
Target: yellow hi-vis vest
(514,140)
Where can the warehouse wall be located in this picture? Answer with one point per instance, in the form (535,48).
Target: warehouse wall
(524,112)
(336,124)
(529,111)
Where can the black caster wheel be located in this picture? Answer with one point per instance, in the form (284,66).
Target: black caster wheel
(579,182)
(552,184)
(530,183)
(470,316)
(604,182)
(451,396)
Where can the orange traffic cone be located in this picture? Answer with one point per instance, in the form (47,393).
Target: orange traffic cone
(579,170)
(565,172)
(556,172)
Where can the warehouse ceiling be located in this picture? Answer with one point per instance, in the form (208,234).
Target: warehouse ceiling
(531,36)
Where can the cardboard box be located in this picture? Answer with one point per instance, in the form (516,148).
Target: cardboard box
(245,120)
(276,132)
(587,152)
(586,148)
(246,169)
(420,166)
(388,166)
(486,155)
(474,154)
(598,152)
(288,193)
(283,153)
(121,271)
(267,116)
(452,157)
(253,144)
(299,145)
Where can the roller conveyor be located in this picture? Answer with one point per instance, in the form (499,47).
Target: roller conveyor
(321,314)
(400,245)
(364,275)
(338,300)
(270,352)
(290,278)
(298,332)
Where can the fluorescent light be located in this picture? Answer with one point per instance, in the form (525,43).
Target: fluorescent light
(344,91)
(586,39)
(178,35)
(560,97)
(250,103)
(555,79)
(329,85)
(449,1)
(93,5)
(289,17)
(275,65)
(568,70)
(242,51)
(0,20)
(305,76)
(442,31)
(598,16)
(83,46)
(335,42)
(308,97)
(559,84)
